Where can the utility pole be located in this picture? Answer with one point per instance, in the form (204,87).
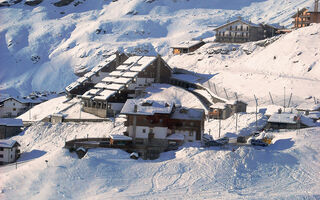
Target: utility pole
(271,98)
(219,126)
(256,112)
(236,95)
(284,99)
(289,100)
(215,88)
(225,91)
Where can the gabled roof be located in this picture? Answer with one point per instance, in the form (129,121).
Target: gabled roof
(286,118)
(300,12)
(8,143)
(237,20)
(146,107)
(188,114)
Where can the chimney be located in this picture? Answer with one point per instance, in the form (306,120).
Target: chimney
(135,109)
(279,111)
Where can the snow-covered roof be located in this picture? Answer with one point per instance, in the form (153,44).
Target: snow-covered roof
(116,73)
(306,121)
(120,137)
(122,80)
(131,60)
(175,136)
(11,122)
(82,79)
(188,114)
(186,77)
(101,85)
(104,95)
(309,106)
(146,107)
(72,86)
(237,20)
(8,143)
(90,93)
(130,74)
(89,74)
(287,118)
(123,67)
(218,106)
(109,79)
(186,44)
(314,115)
(143,63)
(115,86)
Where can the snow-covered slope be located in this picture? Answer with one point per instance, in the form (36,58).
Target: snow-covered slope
(288,169)
(42,46)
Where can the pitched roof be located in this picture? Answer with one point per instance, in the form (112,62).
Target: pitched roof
(146,107)
(188,114)
(187,44)
(8,143)
(237,20)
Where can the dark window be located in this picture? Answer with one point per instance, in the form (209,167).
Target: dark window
(1,156)
(14,104)
(14,109)
(1,149)
(230,28)
(143,130)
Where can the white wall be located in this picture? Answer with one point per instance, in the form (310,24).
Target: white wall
(226,29)
(9,155)
(189,136)
(159,132)
(11,106)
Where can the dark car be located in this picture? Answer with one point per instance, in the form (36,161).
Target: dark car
(213,143)
(224,140)
(258,143)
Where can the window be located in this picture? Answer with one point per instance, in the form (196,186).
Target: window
(230,28)
(144,130)
(190,133)
(14,104)
(1,155)
(150,130)
(1,149)
(14,109)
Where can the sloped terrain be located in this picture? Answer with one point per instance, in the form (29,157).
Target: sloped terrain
(42,46)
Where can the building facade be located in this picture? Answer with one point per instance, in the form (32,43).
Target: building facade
(127,81)
(187,47)
(240,31)
(305,17)
(9,151)
(10,127)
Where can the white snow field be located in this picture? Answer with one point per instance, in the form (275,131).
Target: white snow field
(42,46)
(287,169)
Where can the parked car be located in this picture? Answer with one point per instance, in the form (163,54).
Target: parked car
(258,142)
(213,143)
(224,140)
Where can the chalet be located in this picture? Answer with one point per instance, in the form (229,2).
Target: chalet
(10,127)
(157,121)
(15,106)
(288,121)
(9,151)
(89,79)
(305,17)
(127,81)
(186,47)
(239,31)
(308,107)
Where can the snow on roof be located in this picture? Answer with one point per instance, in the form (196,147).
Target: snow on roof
(8,143)
(89,74)
(131,60)
(287,118)
(188,113)
(143,63)
(123,67)
(96,69)
(307,121)
(108,79)
(311,106)
(120,137)
(218,106)
(11,122)
(314,115)
(82,79)
(90,93)
(101,85)
(72,86)
(111,58)
(187,44)
(234,21)
(122,80)
(175,136)
(146,107)
(130,74)
(186,77)
(104,95)
(115,86)
(116,73)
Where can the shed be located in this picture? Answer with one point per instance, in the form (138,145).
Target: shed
(10,127)
(219,111)
(187,47)
(289,121)
(9,151)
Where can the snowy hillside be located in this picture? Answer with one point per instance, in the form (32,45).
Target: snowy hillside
(42,46)
(288,169)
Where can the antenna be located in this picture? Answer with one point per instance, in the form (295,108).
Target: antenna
(256,112)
